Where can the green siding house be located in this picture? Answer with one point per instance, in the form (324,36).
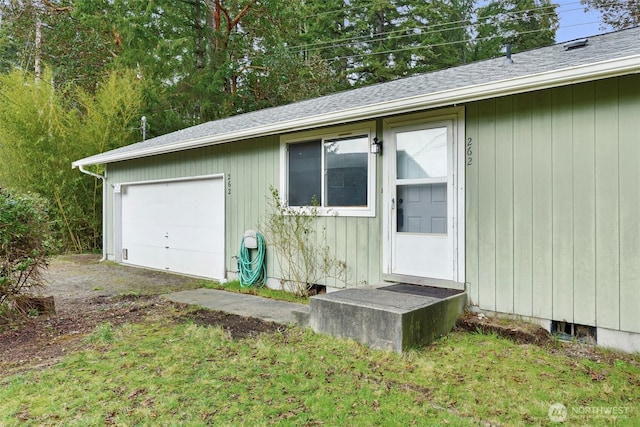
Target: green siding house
(515,180)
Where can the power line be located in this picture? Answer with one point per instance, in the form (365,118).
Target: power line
(435,28)
(391,51)
(358,55)
(344,9)
(345,42)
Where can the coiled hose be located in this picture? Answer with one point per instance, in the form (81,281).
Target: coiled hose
(252,271)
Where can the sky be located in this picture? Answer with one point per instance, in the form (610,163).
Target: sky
(575,23)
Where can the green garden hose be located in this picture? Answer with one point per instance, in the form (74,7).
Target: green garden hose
(252,271)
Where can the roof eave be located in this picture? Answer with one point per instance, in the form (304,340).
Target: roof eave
(546,80)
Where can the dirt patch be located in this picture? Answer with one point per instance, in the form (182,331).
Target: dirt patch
(236,326)
(88,293)
(528,333)
(40,341)
(520,332)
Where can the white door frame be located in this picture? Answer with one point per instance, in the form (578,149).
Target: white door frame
(456,115)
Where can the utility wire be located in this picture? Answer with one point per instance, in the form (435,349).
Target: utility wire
(428,46)
(435,28)
(349,41)
(390,51)
(364,6)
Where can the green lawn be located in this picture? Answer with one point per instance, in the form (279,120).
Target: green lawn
(165,373)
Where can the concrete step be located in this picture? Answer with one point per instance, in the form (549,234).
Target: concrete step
(395,317)
(301,315)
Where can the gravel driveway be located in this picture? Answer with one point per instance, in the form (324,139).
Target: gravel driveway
(74,277)
(88,293)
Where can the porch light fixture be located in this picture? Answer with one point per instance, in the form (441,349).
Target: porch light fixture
(376,146)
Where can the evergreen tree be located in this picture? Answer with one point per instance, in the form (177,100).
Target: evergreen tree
(618,14)
(524,24)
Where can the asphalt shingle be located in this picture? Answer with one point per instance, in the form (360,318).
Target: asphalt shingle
(599,48)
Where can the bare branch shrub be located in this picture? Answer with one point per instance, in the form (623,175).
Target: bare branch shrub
(301,251)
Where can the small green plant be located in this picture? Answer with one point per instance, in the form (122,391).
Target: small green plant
(301,252)
(25,244)
(102,335)
(265,292)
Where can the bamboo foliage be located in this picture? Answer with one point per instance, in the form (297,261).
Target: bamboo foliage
(44,128)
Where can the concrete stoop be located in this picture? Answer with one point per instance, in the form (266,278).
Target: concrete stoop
(395,317)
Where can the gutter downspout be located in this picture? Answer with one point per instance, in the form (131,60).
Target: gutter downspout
(104,211)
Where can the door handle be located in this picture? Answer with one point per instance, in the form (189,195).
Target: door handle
(393,203)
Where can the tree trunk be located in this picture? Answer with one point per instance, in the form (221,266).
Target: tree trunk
(36,62)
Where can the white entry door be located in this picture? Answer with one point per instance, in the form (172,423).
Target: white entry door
(422,201)
(175,226)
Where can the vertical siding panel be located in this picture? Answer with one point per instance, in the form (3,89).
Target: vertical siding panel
(542,220)
(264,181)
(349,245)
(504,204)
(199,163)
(181,165)
(562,205)
(188,164)
(607,205)
(374,226)
(340,247)
(522,207)
(242,193)
(272,177)
(342,226)
(486,206)
(629,204)
(471,201)
(584,286)
(362,245)
(231,206)
(252,186)
(275,177)
(327,237)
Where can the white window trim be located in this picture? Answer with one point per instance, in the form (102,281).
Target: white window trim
(368,129)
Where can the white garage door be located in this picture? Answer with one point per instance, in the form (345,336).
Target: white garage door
(175,226)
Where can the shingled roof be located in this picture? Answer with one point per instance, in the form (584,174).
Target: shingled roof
(607,55)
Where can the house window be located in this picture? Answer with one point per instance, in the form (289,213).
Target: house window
(335,172)
(346,163)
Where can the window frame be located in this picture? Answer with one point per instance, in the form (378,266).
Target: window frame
(367,130)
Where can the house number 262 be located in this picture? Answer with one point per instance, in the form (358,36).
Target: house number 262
(228,183)
(469,151)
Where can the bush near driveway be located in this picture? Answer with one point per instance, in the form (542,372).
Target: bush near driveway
(25,244)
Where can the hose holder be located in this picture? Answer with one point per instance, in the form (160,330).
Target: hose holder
(252,269)
(250,239)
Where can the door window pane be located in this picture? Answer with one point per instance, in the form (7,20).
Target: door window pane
(422,153)
(305,165)
(346,167)
(422,208)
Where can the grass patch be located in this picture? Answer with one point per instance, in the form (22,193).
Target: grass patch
(234,286)
(102,335)
(164,373)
